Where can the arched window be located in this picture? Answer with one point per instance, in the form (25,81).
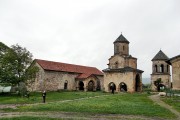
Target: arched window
(162,68)
(116,64)
(156,70)
(123,47)
(116,49)
(167,68)
(65,85)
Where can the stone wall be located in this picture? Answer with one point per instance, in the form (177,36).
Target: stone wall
(176,73)
(164,78)
(53,80)
(128,78)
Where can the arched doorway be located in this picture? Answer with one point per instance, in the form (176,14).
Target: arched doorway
(161,87)
(137,83)
(65,85)
(123,87)
(111,86)
(81,85)
(91,86)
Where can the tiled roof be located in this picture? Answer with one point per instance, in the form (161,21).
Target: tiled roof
(121,39)
(170,60)
(65,67)
(83,75)
(122,70)
(160,56)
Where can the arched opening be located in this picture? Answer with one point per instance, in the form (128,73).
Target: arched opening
(162,68)
(116,49)
(156,70)
(116,64)
(161,87)
(65,85)
(81,85)
(111,86)
(123,87)
(137,83)
(123,47)
(91,86)
(98,85)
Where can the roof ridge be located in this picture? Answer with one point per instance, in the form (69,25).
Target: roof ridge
(65,67)
(66,63)
(122,39)
(160,56)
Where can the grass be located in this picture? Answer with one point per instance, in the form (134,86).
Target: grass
(173,101)
(127,104)
(51,96)
(32,118)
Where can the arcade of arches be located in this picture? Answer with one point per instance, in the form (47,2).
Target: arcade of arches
(90,84)
(123,87)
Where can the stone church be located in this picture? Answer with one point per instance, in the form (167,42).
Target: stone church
(160,69)
(53,76)
(122,72)
(175,63)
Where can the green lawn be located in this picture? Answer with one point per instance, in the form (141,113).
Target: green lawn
(32,118)
(51,96)
(173,101)
(128,104)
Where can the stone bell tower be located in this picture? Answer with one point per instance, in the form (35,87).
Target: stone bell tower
(160,70)
(121,46)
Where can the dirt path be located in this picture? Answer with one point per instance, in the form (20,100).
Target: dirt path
(156,99)
(78,116)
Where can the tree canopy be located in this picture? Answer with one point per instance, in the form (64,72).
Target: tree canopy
(15,64)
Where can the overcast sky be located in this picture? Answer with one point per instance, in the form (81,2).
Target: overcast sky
(83,31)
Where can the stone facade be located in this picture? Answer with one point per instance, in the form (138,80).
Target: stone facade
(122,72)
(160,70)
(175,62)
(58,79)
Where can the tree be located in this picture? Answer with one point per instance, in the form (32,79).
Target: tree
(157,83)
(31,73)
(14,64)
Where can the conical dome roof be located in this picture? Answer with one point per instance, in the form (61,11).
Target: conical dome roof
(121,39)
(160,56)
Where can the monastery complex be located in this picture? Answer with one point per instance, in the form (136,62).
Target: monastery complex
(121,74)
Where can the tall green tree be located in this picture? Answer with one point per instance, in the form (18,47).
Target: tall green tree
(15,65)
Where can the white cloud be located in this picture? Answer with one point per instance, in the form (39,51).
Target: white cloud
(83,31)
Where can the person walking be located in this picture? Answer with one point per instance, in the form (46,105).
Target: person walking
(44,96)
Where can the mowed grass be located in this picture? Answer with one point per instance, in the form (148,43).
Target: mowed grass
(51,96)
(32,118)
(173,101)
(127,104)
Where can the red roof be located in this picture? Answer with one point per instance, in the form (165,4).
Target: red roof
(65,67)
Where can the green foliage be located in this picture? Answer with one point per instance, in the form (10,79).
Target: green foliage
(14,64)
(157,83)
